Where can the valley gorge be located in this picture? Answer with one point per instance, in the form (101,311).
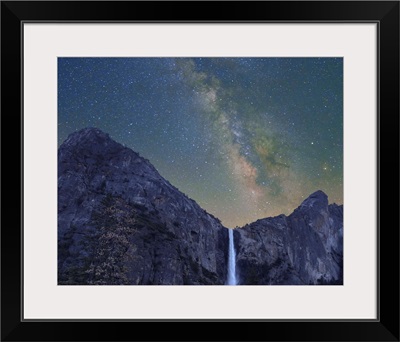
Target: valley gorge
(121,223)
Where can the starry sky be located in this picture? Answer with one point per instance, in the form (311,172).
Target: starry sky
(246,138)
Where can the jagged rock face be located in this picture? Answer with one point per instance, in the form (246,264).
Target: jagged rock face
(304,248)
(120,222)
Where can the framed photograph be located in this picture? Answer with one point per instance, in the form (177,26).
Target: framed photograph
(200,162)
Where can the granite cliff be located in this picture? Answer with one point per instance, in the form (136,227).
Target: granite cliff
(120,222)
(304,248)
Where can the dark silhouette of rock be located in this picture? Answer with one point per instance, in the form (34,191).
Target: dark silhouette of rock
(120,222)
(303,248)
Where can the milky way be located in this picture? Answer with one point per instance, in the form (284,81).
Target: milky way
(246,138)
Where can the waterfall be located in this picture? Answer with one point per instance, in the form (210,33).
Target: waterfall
(232,261)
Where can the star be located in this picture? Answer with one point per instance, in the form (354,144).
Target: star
(243,137)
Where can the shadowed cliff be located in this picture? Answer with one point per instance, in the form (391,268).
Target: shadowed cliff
(303,248)
(120,222)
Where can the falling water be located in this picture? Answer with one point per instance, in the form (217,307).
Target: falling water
(232,261)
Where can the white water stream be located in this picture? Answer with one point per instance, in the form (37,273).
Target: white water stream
(232,261)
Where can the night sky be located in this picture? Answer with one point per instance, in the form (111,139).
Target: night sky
(246,138)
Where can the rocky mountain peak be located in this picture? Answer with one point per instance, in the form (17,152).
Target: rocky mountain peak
(159,235)
(92,148)
(87,135)
(91,143)
(121,222)
(316,199)
(303,248)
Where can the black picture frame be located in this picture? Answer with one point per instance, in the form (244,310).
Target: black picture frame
(385,13)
